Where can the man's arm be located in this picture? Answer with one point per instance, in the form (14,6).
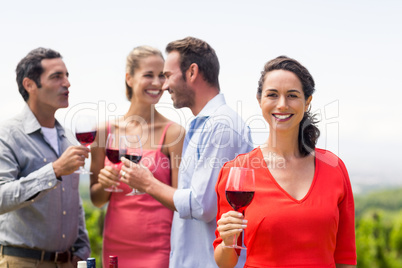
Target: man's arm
(15,192)
(141,178)
(18,192)
(198,201)
(216,146)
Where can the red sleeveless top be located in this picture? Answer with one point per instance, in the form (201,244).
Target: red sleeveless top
(137,228)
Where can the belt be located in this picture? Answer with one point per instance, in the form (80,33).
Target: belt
(57,257)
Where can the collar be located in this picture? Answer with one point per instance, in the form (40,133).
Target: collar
(212,106)
(30,124)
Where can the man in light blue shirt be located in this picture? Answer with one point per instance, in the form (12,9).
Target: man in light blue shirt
(216,135)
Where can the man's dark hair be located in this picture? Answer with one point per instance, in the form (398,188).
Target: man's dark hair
(31,67)
(194,50)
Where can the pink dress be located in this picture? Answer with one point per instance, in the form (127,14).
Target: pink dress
(137,228)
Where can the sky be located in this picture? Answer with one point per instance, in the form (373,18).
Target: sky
(352,49)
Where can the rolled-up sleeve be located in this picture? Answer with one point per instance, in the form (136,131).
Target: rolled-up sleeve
(182,201)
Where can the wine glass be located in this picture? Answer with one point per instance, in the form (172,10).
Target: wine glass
(240,188)
(113,154)
(131,148)
(85,132)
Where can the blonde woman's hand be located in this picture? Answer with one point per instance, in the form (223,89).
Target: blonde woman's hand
(108,176)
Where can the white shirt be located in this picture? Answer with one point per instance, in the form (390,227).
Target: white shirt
(50,135)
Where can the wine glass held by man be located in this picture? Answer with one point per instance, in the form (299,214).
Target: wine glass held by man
(137,228)
(85,132)
(302,213)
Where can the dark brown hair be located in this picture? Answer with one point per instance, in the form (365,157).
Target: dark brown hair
(194,50)
(31,66)
(308,131)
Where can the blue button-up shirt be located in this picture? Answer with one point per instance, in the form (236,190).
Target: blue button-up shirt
(217,135)
(37,210)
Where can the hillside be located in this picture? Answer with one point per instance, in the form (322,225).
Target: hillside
(387,199)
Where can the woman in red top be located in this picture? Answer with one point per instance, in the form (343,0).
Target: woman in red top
(302,214)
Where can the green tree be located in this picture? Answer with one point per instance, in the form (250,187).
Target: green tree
(366,243)
(94,218)
(379,229)
(379,239)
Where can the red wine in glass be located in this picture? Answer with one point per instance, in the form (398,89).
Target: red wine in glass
(133,158)
(239,200)
(113,154)
(85,132)
(239,191)
(86,138)
(131,148)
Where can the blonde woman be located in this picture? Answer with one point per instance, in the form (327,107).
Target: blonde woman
(137,228)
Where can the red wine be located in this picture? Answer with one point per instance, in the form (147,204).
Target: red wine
(133,158)
(86,138)
(239,199)
(113,155)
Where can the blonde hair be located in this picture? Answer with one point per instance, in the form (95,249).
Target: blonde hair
(133,62)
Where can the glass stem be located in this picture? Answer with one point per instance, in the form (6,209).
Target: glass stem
(235,240)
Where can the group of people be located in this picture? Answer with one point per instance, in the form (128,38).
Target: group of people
(302,214)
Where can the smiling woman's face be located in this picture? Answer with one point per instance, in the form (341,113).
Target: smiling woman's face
(147,80)
(282,100)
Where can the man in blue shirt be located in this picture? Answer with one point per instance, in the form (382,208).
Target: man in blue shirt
(41,216)
(216,135)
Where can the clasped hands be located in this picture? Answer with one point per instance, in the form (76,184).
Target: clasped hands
(134,175)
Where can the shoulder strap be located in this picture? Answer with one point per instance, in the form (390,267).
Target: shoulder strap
(163,136)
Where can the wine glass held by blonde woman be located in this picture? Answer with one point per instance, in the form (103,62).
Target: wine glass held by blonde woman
(137,228)
(302,214)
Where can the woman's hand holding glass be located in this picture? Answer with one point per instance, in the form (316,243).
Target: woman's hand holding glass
(113,154)
(239,190)
(230,225)
(108,178)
